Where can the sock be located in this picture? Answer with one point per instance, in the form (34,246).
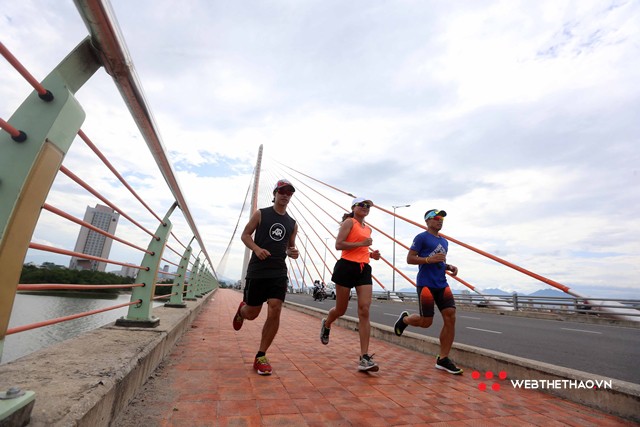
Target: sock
(260,354)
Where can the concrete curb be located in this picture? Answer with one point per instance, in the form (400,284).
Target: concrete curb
(622,399)
(89,379)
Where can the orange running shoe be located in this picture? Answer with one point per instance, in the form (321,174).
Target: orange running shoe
(262,365)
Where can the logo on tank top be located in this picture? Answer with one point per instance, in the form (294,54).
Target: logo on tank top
(277,232)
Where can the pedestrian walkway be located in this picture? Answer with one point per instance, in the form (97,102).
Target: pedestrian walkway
(208,380)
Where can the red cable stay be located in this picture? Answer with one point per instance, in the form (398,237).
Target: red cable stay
(57,286)
(91,227)
(87,187)
(46,248)
(16,135)
(65,318)
(553,283)
(108,164)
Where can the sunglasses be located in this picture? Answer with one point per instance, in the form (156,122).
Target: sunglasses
(363,205)
(436,218)
(285,192)
(435,214)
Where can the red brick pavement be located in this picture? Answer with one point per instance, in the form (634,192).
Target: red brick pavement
(208,380)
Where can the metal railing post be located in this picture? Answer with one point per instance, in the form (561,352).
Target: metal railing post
(140,315)
(198,284)
(200,287)
(177,290)
(191,290)
(28,168)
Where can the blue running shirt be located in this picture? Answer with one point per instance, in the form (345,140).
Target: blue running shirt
(430,275)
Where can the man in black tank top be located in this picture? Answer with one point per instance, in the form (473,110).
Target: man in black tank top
(266,279)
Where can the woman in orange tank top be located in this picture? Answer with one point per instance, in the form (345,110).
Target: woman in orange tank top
(353,271)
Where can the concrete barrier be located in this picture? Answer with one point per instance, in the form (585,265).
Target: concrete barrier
(89,379)
(622,399)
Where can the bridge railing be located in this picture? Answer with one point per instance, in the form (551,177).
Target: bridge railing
(35,142)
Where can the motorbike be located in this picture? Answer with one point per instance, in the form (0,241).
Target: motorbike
(319,294)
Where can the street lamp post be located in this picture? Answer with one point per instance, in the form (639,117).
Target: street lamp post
(393,280)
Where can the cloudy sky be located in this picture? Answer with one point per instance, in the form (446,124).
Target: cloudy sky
(520,119)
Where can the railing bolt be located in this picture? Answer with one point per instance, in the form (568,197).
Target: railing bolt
(11,393)
(21,137)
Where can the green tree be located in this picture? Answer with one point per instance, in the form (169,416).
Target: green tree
(51,273)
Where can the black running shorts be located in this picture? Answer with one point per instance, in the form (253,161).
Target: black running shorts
(442,297)
(351,274)
(258,291)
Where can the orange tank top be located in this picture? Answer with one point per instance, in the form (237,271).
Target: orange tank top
(357,234)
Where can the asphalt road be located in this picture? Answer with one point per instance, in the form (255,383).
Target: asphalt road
(605,350)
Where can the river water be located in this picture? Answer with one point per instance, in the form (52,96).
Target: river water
(28,308)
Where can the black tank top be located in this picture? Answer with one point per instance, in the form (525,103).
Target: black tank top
(273,235)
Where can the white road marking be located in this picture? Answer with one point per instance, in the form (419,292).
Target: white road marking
(484,330)
(469,317)
(392,314)
(581,330)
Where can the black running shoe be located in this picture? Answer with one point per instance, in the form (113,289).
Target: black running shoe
(324,333)
(447,365)
(367,364)
(400,326)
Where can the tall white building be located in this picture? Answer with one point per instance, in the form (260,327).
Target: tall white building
(93,243)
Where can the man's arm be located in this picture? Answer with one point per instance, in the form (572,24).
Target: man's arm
(413,258)
(292,251)
(247,238)
(453,269)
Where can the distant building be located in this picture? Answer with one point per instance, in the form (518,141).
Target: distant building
(51,266)
(93,243)
(162,273)
(126,271)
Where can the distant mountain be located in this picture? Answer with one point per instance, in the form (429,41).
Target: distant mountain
(227,280)
(495,291)
(550,293)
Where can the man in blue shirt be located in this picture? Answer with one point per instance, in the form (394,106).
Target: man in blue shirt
(429,252)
